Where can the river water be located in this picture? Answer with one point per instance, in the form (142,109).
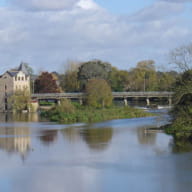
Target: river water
(118,155)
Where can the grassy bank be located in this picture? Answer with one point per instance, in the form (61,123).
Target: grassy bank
(88,114)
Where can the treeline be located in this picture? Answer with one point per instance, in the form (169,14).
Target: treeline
(144,77)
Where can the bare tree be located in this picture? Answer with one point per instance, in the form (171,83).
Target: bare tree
(182,57)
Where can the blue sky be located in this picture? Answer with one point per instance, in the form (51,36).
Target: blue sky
(47,34)
(124,6)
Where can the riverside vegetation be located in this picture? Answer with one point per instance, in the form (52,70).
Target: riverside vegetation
(69,112)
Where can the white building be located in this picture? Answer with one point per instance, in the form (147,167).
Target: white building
(10,82)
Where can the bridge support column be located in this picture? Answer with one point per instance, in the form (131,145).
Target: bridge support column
(125,101)
(148,101)
(58,102)
(81,101)
(170,101)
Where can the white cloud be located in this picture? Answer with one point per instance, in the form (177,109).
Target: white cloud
(45,4)
(46,39)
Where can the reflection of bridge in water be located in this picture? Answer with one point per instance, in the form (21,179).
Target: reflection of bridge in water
(116,95)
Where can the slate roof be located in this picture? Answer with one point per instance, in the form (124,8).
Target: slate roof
(14,72)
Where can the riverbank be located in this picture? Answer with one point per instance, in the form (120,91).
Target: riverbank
(89,115)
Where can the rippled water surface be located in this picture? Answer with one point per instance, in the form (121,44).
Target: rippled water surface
(112,156)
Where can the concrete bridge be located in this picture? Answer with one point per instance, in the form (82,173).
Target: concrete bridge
(116,95)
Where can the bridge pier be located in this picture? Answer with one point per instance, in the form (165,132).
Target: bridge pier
(58,102)
(148,101)
(125,102)
(81,101)
(170,101)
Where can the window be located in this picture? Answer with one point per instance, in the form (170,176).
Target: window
(15,78)
(18,78)
(22,78)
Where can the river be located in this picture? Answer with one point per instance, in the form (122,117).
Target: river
(112,156)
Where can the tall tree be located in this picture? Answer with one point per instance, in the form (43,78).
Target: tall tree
(69,80)
(98,93)
(93,69)
(182,57)
(143,77)
(118,79)
(46,83)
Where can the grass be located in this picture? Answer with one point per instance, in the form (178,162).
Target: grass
(89,115)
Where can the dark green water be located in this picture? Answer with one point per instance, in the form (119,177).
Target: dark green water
(113,156)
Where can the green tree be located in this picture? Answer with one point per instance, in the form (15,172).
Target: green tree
(20,100)
(118,79)
(93,69)
(46,83)
(143,77)
(98,93)
(166,80)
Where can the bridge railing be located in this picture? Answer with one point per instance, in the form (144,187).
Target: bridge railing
(115,95)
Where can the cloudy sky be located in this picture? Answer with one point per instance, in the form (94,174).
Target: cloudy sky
(47,33)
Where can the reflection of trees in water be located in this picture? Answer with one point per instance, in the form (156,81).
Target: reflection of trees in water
(71,133)
(145,137)
(48,136)
(16,139)
(22,117)
(181,145)
(97,138)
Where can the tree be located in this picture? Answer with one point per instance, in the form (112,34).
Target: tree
(118,79)
(93,69)
(166,80)
(98,93)
(143,77)
(28,68)
(182,57)
(69,80)
(20,100)
(46,83)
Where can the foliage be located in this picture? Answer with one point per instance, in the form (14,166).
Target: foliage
(143,77)
(118,79)
(20,100)
(98,93)
(166,80)
(90,114)
(93,69)
(46,83)
(181,126)
(29,69)
(69,81)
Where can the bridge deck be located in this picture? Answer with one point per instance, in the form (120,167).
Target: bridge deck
(115,95)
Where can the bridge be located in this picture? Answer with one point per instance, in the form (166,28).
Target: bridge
(116,95)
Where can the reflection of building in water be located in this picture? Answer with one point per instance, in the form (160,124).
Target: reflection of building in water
(19,117)
(146,138)
(15,140)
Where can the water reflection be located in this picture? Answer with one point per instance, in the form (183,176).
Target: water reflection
(48,136)
(19,117)
(97,138)
(71,133)
(145,137)
(181,146)
(15,140)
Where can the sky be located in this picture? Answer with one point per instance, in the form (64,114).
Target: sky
(47,34)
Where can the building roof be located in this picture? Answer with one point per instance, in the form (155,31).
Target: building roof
(14,72)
